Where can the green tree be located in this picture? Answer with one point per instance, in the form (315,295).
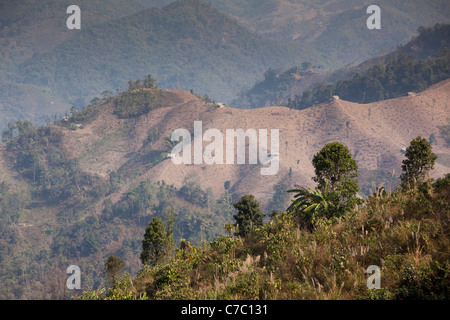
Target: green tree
(311,205)
(149,82)
(249,215)
(157,242)
(445,131)
(113,268)
(8,134)
(90,243)
(336,170)
(419,161)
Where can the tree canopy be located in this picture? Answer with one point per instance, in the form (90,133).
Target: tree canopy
(419,161)
(335,168)
(157,240)
(249,215)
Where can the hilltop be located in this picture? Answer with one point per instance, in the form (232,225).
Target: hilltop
(375,133)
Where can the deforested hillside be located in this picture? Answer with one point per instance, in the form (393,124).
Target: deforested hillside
(87,185)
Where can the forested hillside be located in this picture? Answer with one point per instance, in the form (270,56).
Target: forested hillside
(393,79)
(185,45)
(46,69)
(413,67)
(30,28)
(335,27)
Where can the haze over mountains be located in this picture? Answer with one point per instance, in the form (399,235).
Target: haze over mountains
(186,45)
(45,68)
(81,187)
(336,27)
(412,67)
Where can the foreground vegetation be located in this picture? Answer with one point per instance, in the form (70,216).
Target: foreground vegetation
(318,249)
(406,234)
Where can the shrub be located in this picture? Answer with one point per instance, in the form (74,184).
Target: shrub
(134,103)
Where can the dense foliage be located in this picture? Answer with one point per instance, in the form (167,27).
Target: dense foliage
(249,216)
(383,81)
(404,233)
(337,171)
(418,163)
(132,104)
(43,160)
(157,242)
(272,89)
(137,101)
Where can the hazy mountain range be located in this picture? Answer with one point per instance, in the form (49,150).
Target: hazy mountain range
(46,68)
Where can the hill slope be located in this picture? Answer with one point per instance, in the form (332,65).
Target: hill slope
(30,28)
(393,248)
(62,68)
(375,134)
(186,45)
(79,193)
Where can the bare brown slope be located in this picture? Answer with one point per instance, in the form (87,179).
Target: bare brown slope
(375,133)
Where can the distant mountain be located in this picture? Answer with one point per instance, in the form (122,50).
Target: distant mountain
(337,27)
(31,28)
(186,45)
(129,39)
(422,61)
(45,68)
(412,68)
